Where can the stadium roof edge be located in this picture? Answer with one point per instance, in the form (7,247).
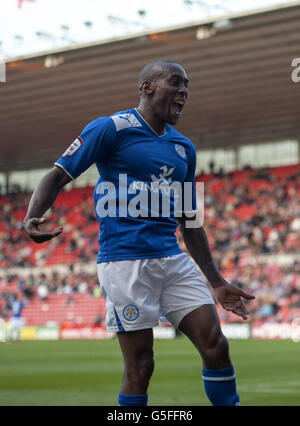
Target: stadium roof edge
(243,87)
(190,24)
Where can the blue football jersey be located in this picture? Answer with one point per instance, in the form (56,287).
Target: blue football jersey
(17,308)
(145,181)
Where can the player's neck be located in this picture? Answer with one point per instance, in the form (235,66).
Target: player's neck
(156,124)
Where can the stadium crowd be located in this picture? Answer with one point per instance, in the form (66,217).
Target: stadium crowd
(249,216)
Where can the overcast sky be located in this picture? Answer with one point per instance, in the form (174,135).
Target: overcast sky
(19,26)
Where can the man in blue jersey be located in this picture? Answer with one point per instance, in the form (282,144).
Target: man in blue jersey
(16,322)
(146,173)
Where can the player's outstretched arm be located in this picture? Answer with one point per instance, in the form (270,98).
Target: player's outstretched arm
(230,296)
(42,199)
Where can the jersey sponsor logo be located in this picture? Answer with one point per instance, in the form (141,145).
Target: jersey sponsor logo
(180,150)
(73,147)
(166,199)
(131,312)
(124,121)
(164,177)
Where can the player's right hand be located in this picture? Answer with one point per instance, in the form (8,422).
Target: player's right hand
(31,227)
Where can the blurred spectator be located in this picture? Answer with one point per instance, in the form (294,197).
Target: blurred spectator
(42,292)
(17,303)
(99,320)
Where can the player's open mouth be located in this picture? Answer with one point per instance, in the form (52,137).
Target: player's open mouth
(177,107)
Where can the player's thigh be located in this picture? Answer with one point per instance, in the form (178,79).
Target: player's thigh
(202,326)
(136,346)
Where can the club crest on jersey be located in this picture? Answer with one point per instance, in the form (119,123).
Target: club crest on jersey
(130,312)
(180,150)
(73,147)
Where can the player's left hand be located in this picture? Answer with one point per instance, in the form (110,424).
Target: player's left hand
(230,297)
(31,227)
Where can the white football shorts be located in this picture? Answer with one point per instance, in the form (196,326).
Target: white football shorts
(138,292)
(16,323)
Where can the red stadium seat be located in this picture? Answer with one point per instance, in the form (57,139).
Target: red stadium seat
(245,212)
(61,308)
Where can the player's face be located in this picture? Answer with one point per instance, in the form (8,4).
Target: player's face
(170,94)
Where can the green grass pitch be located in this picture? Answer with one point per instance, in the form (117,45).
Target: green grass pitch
(70,373)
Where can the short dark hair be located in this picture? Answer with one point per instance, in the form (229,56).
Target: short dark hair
(151,71)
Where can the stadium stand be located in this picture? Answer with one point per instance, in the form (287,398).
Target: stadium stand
(252,218)
(65,309)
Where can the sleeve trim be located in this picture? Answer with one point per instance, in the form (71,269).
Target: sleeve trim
(65,170)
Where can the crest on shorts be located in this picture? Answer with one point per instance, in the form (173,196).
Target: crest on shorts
(130,312)
(180,150)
